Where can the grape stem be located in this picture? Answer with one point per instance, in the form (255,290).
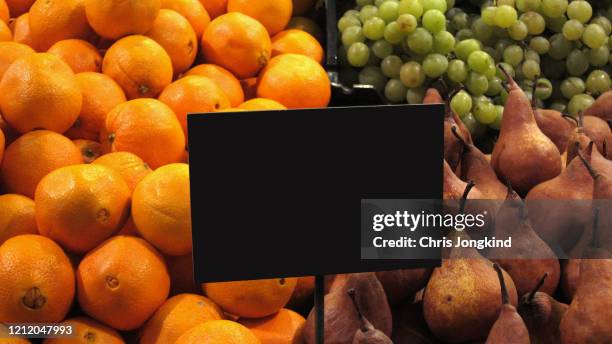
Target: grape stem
(570,117)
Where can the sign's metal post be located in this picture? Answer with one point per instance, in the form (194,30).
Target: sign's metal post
(319,308)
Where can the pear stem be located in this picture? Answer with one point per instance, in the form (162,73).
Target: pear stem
(458,136)
(504,290)
(588,166)
(595,237)
(470,185)
(570,117)
(581,119)
(533,96)
(537,287)
(351,293)
(508,77)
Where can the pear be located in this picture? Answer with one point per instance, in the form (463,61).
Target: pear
(599,131)
(452,146)
(401,285)
(556,126)
(529,257)
(542,315)
(578,140)
(409,325)
(432,96)
(523,155)
(509,327)
(366,333)
(602,107)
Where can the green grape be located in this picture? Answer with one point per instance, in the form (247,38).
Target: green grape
(555,24)
(450,3)
(484,112)
(580,10)
(518,31)
(594,36)
(505,16)
(559,47)
(367,12)
(544,89)
(435,65)
(495,86)
(352,34)
(572,86)
(598,82)
(499,115)
(373,60)
(577,62)
(501,45)
(505,2)
(407,23)
(493,52)
(362,3)
(508,68)
(388,11)
(477,129)
(491,71)
(395,91)
(477,83)
(503,97)
(461,103)
(554,8)
(464,34)
(559,105)
(572,30)
(464,48)
(374,28)
(457,71)
(412,74)
(352,13)
(488,15)
(348,21)
(460,21)
(420,41)
(415,95)
(392,33)
(391,66)
(532,55)
(579,103)
(412,7)
(444,42)
(480,61)
(513,55)
(527,5)
(377,3)
(536,24)
(531,69)
(372,75)
(439,5)
(604,23)
(539,44)
(382,48)
(599,57)
(434,21)
(358,54)
(482,31)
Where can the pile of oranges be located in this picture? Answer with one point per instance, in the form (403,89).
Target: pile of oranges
(95,226)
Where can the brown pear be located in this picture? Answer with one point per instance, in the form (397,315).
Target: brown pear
(578,140)
(401,285)
(432,96)
(460,302)
(509,327)
(341,320)
(599,131)
(542,315)
(409,325)
(366,333)
(602,194)
(523,155)
(556,126)
(453,187)
(602,107)
(529,257)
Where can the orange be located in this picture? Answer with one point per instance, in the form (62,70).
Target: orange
(232,110)
(215,8)
(16,216)
(218,331)
(55,20)
(223,78)
(33,156)
(122,282)
(22,32)
(2,144)
(87,331)
(139,65)
(295,81)
(178,315)
(5,32)
(48,98)
(193,94)
(19,7)
(161,209)
(147,128)
(6,339)
(129,229)
(302,6)
(36,281)
(308,25)
(174,33)
(114,19)
(251,299)
(5,15)
(80,206)
(273,14)
(127,164)
(90,150)
(193,11)
(181,274)
(284,327)
(238,43)
(80,55)
(10,52)
(100,95)
(249,86)
(261,104)
(296,41)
